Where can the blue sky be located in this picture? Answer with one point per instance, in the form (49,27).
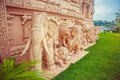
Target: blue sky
(106,9)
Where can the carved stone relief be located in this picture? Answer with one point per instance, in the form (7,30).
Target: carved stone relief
(21,3)
(3,30)
(76,1)
(50,31)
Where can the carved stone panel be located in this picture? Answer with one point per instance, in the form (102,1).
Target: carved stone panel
(19,24)
(52,31)
(38,4)
(75,1)
(19,3)
(52,7)
(3,30)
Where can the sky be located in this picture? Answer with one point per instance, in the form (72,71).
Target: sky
(106,9)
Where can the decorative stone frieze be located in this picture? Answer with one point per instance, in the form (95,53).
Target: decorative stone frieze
(56,32)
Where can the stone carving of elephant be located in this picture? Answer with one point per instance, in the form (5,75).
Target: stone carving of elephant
(37,39)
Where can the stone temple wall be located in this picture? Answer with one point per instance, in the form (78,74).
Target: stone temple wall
(65,27)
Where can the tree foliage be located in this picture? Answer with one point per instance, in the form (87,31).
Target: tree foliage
(104,23)
(117,20)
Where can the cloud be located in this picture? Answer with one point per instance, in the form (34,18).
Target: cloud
(103,10)
(103,13)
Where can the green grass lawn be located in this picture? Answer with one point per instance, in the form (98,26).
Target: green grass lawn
(101,63)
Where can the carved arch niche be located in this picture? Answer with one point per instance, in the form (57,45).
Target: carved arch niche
(18,33)
(19,24)
(15,30)
(86,9)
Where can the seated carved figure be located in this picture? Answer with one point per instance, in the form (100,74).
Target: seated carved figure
(62,56)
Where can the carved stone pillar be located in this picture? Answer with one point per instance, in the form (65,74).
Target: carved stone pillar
(3,30)
(92,10)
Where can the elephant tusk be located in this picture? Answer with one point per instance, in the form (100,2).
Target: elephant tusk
(26,48)
(46,47)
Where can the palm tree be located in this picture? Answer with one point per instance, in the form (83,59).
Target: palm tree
(10,71)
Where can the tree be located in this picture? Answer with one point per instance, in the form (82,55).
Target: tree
(98,23)
(118,21)
(104,23)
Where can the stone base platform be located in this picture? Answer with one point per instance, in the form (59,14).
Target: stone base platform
(89,45)
(58,70)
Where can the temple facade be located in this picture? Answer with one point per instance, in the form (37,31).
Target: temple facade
(47,30)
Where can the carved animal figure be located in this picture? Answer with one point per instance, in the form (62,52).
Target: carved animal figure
(37,38)
(62,56)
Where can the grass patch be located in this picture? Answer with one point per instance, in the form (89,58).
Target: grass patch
(102,62)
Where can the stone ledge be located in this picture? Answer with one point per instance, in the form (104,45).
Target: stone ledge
(58,70)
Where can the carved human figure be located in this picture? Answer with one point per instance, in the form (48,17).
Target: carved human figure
(73,41)
(77,42)
(70,36)
(97,31)
(85,30)
(92,35)
(37,38)
(63,30)
(51,39)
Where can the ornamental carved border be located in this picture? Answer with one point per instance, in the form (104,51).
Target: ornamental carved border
(3,30)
